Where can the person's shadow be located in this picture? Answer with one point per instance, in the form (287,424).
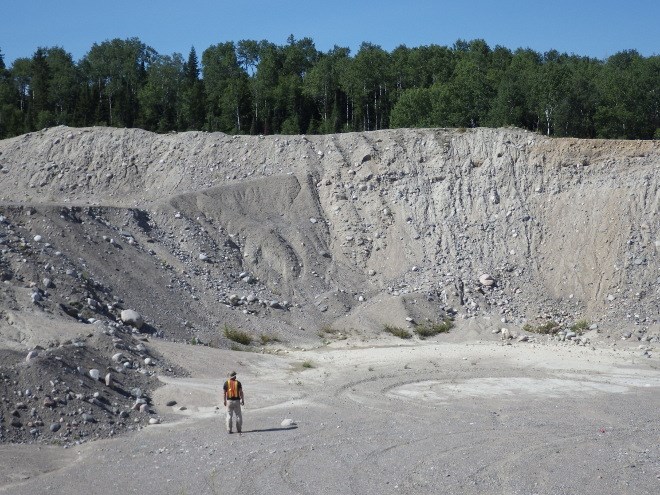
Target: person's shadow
(263,430)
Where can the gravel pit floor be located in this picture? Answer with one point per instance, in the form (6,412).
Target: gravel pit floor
(433,417)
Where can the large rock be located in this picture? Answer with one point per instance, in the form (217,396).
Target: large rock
(487,280)
(132,318)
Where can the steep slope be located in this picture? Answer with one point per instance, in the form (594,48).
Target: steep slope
(327,223)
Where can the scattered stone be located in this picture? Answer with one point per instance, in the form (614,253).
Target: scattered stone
(94,373)
(88,418)
(171,403)
(487,280)
(288,423)
(132,318)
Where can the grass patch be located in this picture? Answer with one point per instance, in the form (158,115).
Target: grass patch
(580,326)
(402,333)
(268,339)
(424,330)
(307,364)
(547,328)
(237,336)
(327,330)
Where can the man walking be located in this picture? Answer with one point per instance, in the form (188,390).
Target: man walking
(233,402)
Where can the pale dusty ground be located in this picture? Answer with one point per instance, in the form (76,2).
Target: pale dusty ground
(431,417)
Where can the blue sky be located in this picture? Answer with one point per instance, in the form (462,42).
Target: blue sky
(584,27)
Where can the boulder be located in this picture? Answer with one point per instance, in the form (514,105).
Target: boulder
(132,318)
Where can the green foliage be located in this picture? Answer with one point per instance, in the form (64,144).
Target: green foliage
(580,326)
(547,328)
(260,87)
(307,364)
(402,333)
(237,336)
(424,330)
(268,339)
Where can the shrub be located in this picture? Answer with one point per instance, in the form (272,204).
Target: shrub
(550,327)
(268,339)
(402,333)
(580,326)
(307,364)
(327,332)
(237,336)
(424,330)
(327,329)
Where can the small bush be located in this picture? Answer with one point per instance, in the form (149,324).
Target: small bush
(548,328)
(267,339)
(325,330)
(402,333)
(307,364)
(430,329)
(237,336)
(580,326)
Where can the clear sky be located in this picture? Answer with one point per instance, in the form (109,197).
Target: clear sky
(595,28)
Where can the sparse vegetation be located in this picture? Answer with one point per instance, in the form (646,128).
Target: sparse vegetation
(402,333)
(424,330)
(237,336)
(547,328)
(327,330)
(307,364)
(580,326)
(268,339)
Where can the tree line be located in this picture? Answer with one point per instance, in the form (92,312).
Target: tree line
(258,87)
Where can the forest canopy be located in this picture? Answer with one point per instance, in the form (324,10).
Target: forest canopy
(258,87)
